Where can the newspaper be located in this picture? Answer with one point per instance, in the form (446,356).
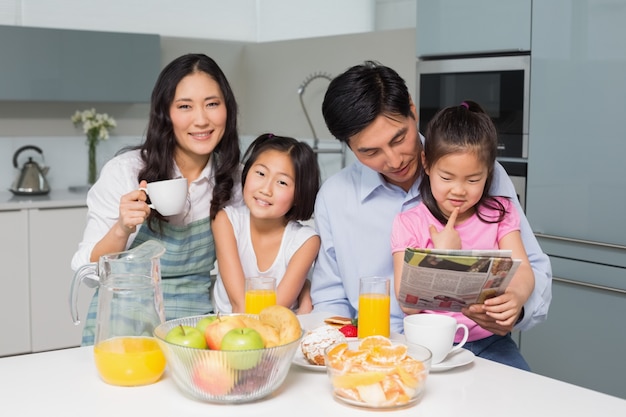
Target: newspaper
(452,279)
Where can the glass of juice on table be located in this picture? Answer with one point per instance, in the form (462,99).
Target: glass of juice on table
(260,293)
(374,308)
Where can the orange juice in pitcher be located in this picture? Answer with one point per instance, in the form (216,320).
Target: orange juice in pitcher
(129,361)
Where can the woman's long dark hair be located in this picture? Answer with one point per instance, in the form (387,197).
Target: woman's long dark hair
(464,128)
(158,149)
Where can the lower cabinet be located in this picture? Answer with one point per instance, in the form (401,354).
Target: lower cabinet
(14,283)
(582,341)
(36,247)
(54,235)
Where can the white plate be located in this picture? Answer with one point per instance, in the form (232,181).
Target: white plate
(300,360)
(459,358)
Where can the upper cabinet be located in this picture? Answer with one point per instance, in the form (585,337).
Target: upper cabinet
(458,27)
(39,64)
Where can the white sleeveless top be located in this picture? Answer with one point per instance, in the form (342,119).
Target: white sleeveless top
(293,238)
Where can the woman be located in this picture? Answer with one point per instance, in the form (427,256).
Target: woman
(192,133)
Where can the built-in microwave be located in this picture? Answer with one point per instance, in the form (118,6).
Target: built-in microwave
(499,83)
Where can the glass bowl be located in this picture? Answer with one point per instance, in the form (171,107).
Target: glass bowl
(218,376)
(376,372)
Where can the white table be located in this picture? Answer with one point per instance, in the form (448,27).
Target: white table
(65,382)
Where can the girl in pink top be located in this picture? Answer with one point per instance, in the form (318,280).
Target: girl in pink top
(457,211)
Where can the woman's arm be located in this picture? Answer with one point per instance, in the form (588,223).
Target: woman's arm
(133,212)
(228,262)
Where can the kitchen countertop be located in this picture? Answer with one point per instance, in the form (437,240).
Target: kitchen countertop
(65,382)
(54,199)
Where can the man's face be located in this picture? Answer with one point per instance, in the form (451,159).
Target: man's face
(391,147)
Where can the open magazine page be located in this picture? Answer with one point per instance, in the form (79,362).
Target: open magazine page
(450,280)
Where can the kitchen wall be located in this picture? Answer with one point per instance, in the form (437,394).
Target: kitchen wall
(238,20)
(264,76)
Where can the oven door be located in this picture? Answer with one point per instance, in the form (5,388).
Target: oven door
(500,84)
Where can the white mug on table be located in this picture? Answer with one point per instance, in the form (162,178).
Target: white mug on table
(436,332)
(168,197)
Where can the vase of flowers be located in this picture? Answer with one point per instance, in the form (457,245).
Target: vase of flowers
(96,126)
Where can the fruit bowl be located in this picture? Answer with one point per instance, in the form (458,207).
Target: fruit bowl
(376,372)
(221,376)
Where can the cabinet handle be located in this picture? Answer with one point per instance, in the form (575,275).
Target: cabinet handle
(588,285)
(584,242)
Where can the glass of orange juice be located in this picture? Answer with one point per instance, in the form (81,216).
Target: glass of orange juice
(260,293)
(374,306)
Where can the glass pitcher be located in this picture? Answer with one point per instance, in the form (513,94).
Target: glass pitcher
(130,306)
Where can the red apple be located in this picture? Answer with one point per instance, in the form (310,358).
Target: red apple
(220,326)
(213,377)
(245,339)
(186,336)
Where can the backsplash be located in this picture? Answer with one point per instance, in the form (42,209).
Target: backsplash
(67,157)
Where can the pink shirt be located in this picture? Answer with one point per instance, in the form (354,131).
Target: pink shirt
(410,229)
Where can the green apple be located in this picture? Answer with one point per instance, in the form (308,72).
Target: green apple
(216,330)
(204,322)
(243,339)
(186,336)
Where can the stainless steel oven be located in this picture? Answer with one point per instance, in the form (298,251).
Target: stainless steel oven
(499,83)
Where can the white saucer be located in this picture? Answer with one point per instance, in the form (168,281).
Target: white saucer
(454,360)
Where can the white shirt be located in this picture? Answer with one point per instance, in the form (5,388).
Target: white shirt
(119,177)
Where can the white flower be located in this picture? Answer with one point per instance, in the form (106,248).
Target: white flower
(95,125)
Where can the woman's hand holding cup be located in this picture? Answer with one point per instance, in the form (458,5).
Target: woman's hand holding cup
(133,209)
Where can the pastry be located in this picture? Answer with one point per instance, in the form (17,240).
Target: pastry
(338,321)
(317,340)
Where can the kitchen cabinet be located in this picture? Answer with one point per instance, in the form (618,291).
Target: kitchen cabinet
(14,283)
(54,235)
(582,342)
(458,27)
(575,189)
(36,248)
(41,64)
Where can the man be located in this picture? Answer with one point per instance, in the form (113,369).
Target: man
(369,108)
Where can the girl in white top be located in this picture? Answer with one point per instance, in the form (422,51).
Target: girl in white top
(280,180)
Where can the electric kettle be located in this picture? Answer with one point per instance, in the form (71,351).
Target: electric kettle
(32,178)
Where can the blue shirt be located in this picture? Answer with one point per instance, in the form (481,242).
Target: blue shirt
(354,213)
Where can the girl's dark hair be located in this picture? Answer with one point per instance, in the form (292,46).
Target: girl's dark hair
(457,129)
(307,181)
(157,151)
(357,97)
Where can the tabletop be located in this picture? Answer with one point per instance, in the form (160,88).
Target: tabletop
(65,382)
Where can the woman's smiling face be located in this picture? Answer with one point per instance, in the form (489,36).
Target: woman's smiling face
(198,114)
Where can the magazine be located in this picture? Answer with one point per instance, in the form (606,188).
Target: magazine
(449,280)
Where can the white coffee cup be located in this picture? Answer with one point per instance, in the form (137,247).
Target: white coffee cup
(168,197)
(436,332)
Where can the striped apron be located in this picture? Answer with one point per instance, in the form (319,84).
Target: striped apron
(185,271)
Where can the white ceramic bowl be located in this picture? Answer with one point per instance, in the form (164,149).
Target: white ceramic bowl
(212,375)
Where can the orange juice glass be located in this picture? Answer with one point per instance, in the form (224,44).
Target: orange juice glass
(129,361)
(374,307)
(260,293)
